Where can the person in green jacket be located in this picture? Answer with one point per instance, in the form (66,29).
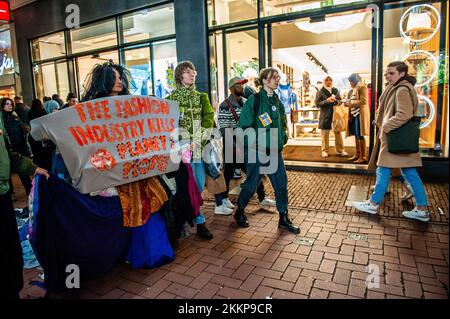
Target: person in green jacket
(11,261)
(263,112)
(197,118)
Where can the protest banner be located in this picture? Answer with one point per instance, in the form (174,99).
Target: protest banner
(114,140)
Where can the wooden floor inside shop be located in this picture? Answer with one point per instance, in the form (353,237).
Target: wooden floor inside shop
(307,153)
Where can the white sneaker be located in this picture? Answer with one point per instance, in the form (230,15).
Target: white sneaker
(324,154)
(421,215)
(237,173)
(366,207)
(343,153)
(406,195)
(227,203)
(223,210)
(268,202)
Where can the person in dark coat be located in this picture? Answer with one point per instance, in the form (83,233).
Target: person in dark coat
(326,98)
(16,136)
(40,157)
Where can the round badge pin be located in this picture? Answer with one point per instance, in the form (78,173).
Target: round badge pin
(274,108)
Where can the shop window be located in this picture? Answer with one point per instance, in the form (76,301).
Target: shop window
(148,23)
(86,64)
(48,47)
(95,36)
(225,11)
(137,61)
(412,34)
(275,7)
(164,63)
(51,78)
(306,52)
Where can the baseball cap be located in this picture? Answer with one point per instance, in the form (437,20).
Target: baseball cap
(236,80)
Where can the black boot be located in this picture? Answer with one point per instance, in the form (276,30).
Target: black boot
(203,232)
(241,219)
(285,222)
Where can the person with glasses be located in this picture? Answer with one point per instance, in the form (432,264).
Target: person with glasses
(264,112)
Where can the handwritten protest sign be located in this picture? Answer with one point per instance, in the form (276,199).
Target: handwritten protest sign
(112,141)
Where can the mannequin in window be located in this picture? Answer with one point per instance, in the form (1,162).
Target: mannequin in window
(288,99)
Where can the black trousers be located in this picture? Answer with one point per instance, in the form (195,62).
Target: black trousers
(11,260)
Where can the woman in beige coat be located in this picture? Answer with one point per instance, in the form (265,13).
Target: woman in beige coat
(359,118)
(399,94)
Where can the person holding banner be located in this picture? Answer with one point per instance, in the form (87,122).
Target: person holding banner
(197,118)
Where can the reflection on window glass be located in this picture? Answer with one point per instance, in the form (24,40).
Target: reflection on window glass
(51,78)
(137,61)
(47,47)
(164,62)
(94,36)
(86,64)
(274,7)
(412,34)
(242,55)
(149,23)
(226,11)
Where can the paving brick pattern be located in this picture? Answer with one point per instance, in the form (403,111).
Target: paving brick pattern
(262,261)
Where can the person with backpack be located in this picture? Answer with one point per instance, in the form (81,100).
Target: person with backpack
(262,112)
(229,112)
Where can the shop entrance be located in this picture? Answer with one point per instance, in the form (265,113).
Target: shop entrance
(308,50)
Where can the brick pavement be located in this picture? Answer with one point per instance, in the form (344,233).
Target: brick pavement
(262,261)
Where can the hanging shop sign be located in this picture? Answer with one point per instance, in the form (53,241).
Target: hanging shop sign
(6,64)
(4,12)
(113,141)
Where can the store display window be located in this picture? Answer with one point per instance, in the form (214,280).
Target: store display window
(412,34)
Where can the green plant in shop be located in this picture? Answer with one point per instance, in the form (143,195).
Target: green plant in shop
(239,68)
(170,77)
(443,70)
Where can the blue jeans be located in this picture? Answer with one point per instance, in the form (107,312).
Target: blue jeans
(277,179)
(411,176)
(200,179)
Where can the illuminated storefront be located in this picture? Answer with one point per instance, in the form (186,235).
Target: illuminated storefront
(308,40)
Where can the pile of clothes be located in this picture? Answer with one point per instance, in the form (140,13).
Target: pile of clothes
(138,223)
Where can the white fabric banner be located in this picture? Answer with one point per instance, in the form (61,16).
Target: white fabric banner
(113,141)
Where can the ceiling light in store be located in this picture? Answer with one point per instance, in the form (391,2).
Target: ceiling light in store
(420,19)
(332,24)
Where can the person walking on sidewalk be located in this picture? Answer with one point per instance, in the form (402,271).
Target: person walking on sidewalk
(264,111)
(359,119)
(195,111)
(229,112)
(327,97)
(397,105)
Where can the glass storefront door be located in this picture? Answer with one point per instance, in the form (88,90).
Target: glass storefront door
(306,51)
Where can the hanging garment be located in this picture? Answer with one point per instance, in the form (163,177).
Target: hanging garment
(286,97)
(140,199)
(73,228)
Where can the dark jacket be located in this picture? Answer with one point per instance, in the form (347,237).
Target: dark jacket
(16,134)
(326,108)
(22,111)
